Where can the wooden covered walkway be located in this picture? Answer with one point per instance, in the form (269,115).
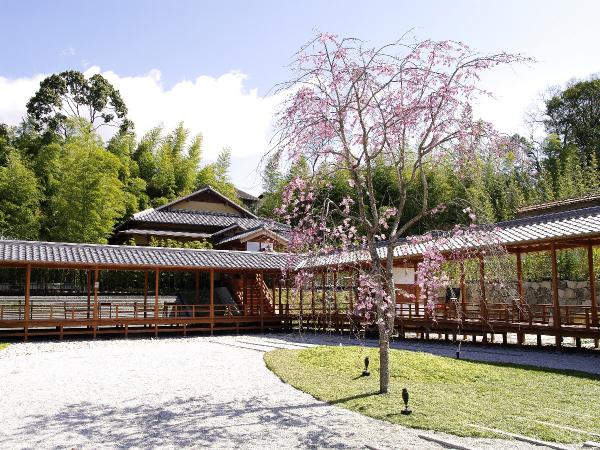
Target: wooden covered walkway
(56,290)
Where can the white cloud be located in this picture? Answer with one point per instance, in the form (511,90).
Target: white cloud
(14,94)
(222,109)
(69,51)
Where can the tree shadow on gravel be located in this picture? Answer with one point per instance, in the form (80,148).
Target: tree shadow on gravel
(187,422)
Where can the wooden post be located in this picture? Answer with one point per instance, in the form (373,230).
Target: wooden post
(287,295)
(463,291)
(323,301)
(520,336)
(261,306)
(313,292)
(353,292)
(89,292)
(520,284)
(555,299)
(592,275)
(279,294)
(212,300)
(247,307)
(417,293)
(483,299)
(301,315)
(95,315)
(156,290)
(335,305)
(197,287)
(27,302)
(273,296)
(145,295)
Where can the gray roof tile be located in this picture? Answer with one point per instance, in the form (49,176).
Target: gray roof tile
(114,255)
(214,219)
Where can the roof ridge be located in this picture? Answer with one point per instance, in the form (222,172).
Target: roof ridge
(549,217)
(214,191)
(588,196)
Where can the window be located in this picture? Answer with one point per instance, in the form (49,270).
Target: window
(252,246)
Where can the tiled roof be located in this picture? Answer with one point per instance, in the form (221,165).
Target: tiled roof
(214,192)
(214,219)
(245,196)
(182,234)
(588,200)
(582,223)
(106,256)
(579,223)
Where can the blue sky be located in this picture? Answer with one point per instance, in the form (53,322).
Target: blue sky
(173,60)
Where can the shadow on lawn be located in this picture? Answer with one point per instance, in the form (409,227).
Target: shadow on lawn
(183,422)
(353,397)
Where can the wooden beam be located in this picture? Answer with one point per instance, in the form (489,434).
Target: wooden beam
(324,293)
(247,307)
(592,275)
(335,305)
(520,285)
(89,292)
(263,299)
(273,296)
(95,312)
(353,294)
(197,287)
(156,292)
(313,292)
(555,300)
(212,295)
(279,295)
(483,298)
(417,291)
(145,294)
(463,291)
(27,301)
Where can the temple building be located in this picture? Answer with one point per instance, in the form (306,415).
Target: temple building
(205,215)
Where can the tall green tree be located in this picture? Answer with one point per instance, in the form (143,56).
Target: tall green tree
(89,196)
(19,199)
(216,175)
(574,115)
(168,164)
(70,95)
(123,146)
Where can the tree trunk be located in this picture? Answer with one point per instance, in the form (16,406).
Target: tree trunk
(384,358)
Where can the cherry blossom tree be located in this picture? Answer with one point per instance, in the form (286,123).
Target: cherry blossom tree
(407,105)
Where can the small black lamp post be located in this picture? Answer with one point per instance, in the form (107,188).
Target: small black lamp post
(405,411)
(366,373)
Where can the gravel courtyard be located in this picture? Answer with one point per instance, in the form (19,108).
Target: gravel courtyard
(194,392)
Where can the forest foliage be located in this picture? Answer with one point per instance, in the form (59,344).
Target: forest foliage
(60,181)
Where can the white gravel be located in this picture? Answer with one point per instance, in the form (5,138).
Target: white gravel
(180,393)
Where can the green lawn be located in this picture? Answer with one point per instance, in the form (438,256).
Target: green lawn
(449,394)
